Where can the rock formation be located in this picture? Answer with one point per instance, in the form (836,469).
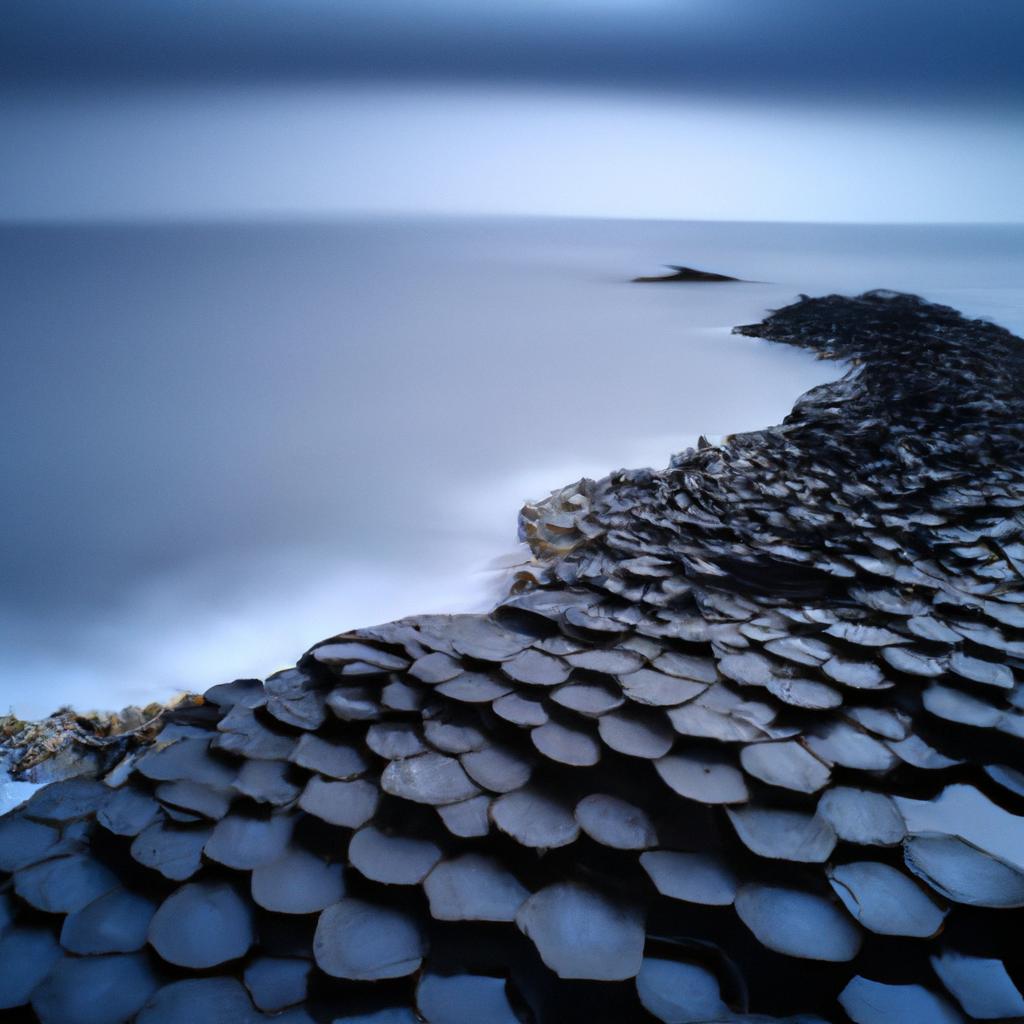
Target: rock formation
(686,274)
(743,743)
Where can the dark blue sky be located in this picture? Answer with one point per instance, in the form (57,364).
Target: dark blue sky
(893,51)
(861,110)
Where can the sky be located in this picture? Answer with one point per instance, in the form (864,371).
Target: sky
(874,110)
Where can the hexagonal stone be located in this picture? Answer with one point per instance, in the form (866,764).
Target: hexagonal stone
(428,779)
(27,955)
(364,941)
(473,887)
(116,922)
(886,901)
(708,778)
(872,1002)
(536,669)
(981,985)
(637,733)
(298,882)
(187,758)
(534,819)
(127,811)
(202,924)
(64,884)
(395,740)
(610,662)
(798,924)
(687,666)
(566,744)
(175,851)
(392,859)
(200,1001)
(699,878)
(498,767)
(267,782)
(332,758)
(474,688)
(520,710)
(464,999)
(24,842)
(783,834)
(67,800)
(468,818)
(452,732)
(590,699)
(860,816)
(677,992)
(841,743)
(243,733)
(349,804)
(294,698)
(478,636)
(581,933)
(787,765)
(244,842)
(95,989)
(616,823)
(345,652)
(435,667)
(194,797)
(658,689)
(247,692)
(277,982)
(962,872)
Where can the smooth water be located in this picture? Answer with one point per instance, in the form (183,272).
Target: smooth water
(223,442)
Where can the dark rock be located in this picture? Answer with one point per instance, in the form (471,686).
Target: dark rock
(685,275)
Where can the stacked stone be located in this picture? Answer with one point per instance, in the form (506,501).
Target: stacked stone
(743,742)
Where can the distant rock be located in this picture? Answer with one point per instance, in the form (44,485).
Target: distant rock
(685,275)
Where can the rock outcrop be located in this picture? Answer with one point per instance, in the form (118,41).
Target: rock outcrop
(684,275)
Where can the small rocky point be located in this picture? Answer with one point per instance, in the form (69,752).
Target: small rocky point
(70,742)
(686,275)
(743,743)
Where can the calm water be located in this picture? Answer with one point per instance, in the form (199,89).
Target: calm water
(224,442)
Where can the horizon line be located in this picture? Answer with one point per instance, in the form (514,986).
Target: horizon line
(265,218)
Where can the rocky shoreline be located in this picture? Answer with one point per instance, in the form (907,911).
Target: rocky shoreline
(69,743)
(742,743)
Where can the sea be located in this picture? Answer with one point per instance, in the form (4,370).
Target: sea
(223,442)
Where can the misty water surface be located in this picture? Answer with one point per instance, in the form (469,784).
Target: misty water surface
(223,442)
